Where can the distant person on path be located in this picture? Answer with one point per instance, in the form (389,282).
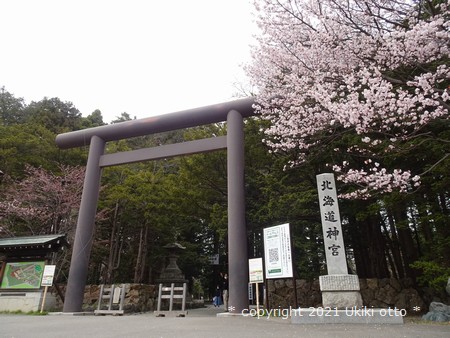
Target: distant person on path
(225,291)
(217,301)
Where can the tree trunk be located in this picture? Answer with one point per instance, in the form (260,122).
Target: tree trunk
(409,251)
(391,251)
(396,252)
(144,255)
(358,242)
(137,267)
(112,246)
(377,248)
(426,229)
(369,248)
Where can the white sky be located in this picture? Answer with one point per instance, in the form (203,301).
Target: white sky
(143,57)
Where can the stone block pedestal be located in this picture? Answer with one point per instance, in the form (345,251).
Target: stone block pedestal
(341,299)
(340,291)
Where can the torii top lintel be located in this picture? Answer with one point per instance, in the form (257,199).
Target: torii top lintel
(156,124)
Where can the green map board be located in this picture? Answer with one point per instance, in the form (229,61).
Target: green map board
(22,275)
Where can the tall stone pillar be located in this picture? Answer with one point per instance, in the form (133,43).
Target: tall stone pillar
(237,231)
(85,229)
(339,289)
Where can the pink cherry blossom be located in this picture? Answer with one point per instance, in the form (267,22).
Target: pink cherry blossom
(43,202)
(321,65)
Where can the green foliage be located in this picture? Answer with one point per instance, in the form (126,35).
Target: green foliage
(432,275)
(11,108)
(55,115)
(27,134)
(93,120)
(22,144)
(197,289)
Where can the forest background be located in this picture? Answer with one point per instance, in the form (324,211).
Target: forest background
(399,231)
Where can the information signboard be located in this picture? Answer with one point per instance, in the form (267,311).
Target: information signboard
(22,275)
(255,270)
(214,259)
(277,252)
(47,276)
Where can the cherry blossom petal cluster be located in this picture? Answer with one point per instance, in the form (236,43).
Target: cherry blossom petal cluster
(378,67)
(44,199)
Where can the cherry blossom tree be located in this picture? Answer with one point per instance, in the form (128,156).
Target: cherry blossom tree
(43,202)
(378,69)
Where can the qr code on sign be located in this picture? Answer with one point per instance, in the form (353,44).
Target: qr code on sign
(273,255)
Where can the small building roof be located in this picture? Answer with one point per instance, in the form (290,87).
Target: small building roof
(32,245)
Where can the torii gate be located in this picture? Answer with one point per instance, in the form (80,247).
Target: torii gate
(233,112)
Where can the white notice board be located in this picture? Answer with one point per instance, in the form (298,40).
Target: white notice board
(255,270)
(277,252)
(47,276)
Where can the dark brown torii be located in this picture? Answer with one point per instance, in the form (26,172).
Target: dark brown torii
(233,112)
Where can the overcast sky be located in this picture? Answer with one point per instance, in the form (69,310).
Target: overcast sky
(143,57)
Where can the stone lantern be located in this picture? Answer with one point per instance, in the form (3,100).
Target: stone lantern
(172,273)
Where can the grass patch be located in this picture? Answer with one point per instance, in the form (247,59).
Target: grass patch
(20,312)
(419,320)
